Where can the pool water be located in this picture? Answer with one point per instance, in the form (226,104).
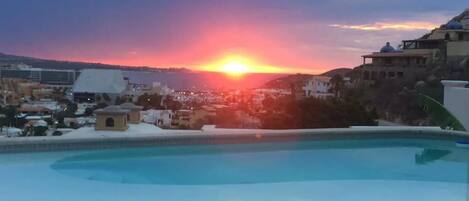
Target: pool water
(321,170)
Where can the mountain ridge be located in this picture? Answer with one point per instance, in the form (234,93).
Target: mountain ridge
(286,82)
(7,59)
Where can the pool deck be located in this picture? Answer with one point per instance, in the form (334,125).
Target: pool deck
(144,135)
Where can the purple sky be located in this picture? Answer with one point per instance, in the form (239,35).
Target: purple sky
(273,35)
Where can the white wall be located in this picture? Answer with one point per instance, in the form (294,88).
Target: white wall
(465,23)
(458,48)
(153,116)
(456,100)
(318,86)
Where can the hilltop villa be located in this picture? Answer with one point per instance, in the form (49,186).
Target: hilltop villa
(448,44)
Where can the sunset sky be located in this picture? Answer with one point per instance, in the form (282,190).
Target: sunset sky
(289,36)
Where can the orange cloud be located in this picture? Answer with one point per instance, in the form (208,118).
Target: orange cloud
(378,26)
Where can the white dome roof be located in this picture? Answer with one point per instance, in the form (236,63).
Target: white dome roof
(453,24)
(387,48)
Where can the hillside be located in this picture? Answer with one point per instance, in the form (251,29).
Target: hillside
(299,79)
(344,72)
(56,64)
(287,81)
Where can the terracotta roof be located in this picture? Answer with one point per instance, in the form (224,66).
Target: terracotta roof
(113,109)
(33,108)
(130,106)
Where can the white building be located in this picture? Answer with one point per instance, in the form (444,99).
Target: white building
(161,89)
(94,83)
(136,90)
(318,86)
(160,118)
(49,104)
(81,107)
(456,97)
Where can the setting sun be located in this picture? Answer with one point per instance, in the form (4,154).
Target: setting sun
(238,65)
(235,68)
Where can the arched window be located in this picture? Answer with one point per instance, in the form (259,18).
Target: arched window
(447,37)
(109,122)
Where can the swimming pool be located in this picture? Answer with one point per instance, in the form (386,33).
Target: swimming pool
(387,169)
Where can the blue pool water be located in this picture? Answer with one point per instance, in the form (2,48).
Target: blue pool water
(324,170)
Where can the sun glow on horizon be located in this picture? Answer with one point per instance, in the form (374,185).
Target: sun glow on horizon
(237,66)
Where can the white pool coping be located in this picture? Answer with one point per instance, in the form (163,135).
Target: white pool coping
(148,135)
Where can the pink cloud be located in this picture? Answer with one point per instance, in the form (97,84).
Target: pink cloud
(378,26)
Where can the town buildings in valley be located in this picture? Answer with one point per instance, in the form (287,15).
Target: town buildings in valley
(43,76)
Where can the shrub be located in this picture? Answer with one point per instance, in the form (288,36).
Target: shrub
(57,133)
(40,130)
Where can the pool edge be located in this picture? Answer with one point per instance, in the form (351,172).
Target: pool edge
(45,144)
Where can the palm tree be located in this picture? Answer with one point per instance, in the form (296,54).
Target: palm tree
(439,114)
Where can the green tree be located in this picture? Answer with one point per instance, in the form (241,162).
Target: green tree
(227,118)
(119,101)
(150,101)
(98,98)
(40,130)
(3,123)
(144,100)
(268,102)
(337,84)
(10,115)
(106,98)
(171,104)
(88,112)
(71,109)
(316,113)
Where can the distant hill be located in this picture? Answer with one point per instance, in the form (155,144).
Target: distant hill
(344,72)
(286,82)
(6,59)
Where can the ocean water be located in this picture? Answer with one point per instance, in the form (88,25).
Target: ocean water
(201,80)
(322,170)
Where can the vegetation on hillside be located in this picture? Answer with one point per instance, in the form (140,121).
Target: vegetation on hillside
(288,81)
(398,100)
(333,112)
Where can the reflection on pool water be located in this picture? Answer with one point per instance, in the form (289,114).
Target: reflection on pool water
(404,160)
(347,170)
